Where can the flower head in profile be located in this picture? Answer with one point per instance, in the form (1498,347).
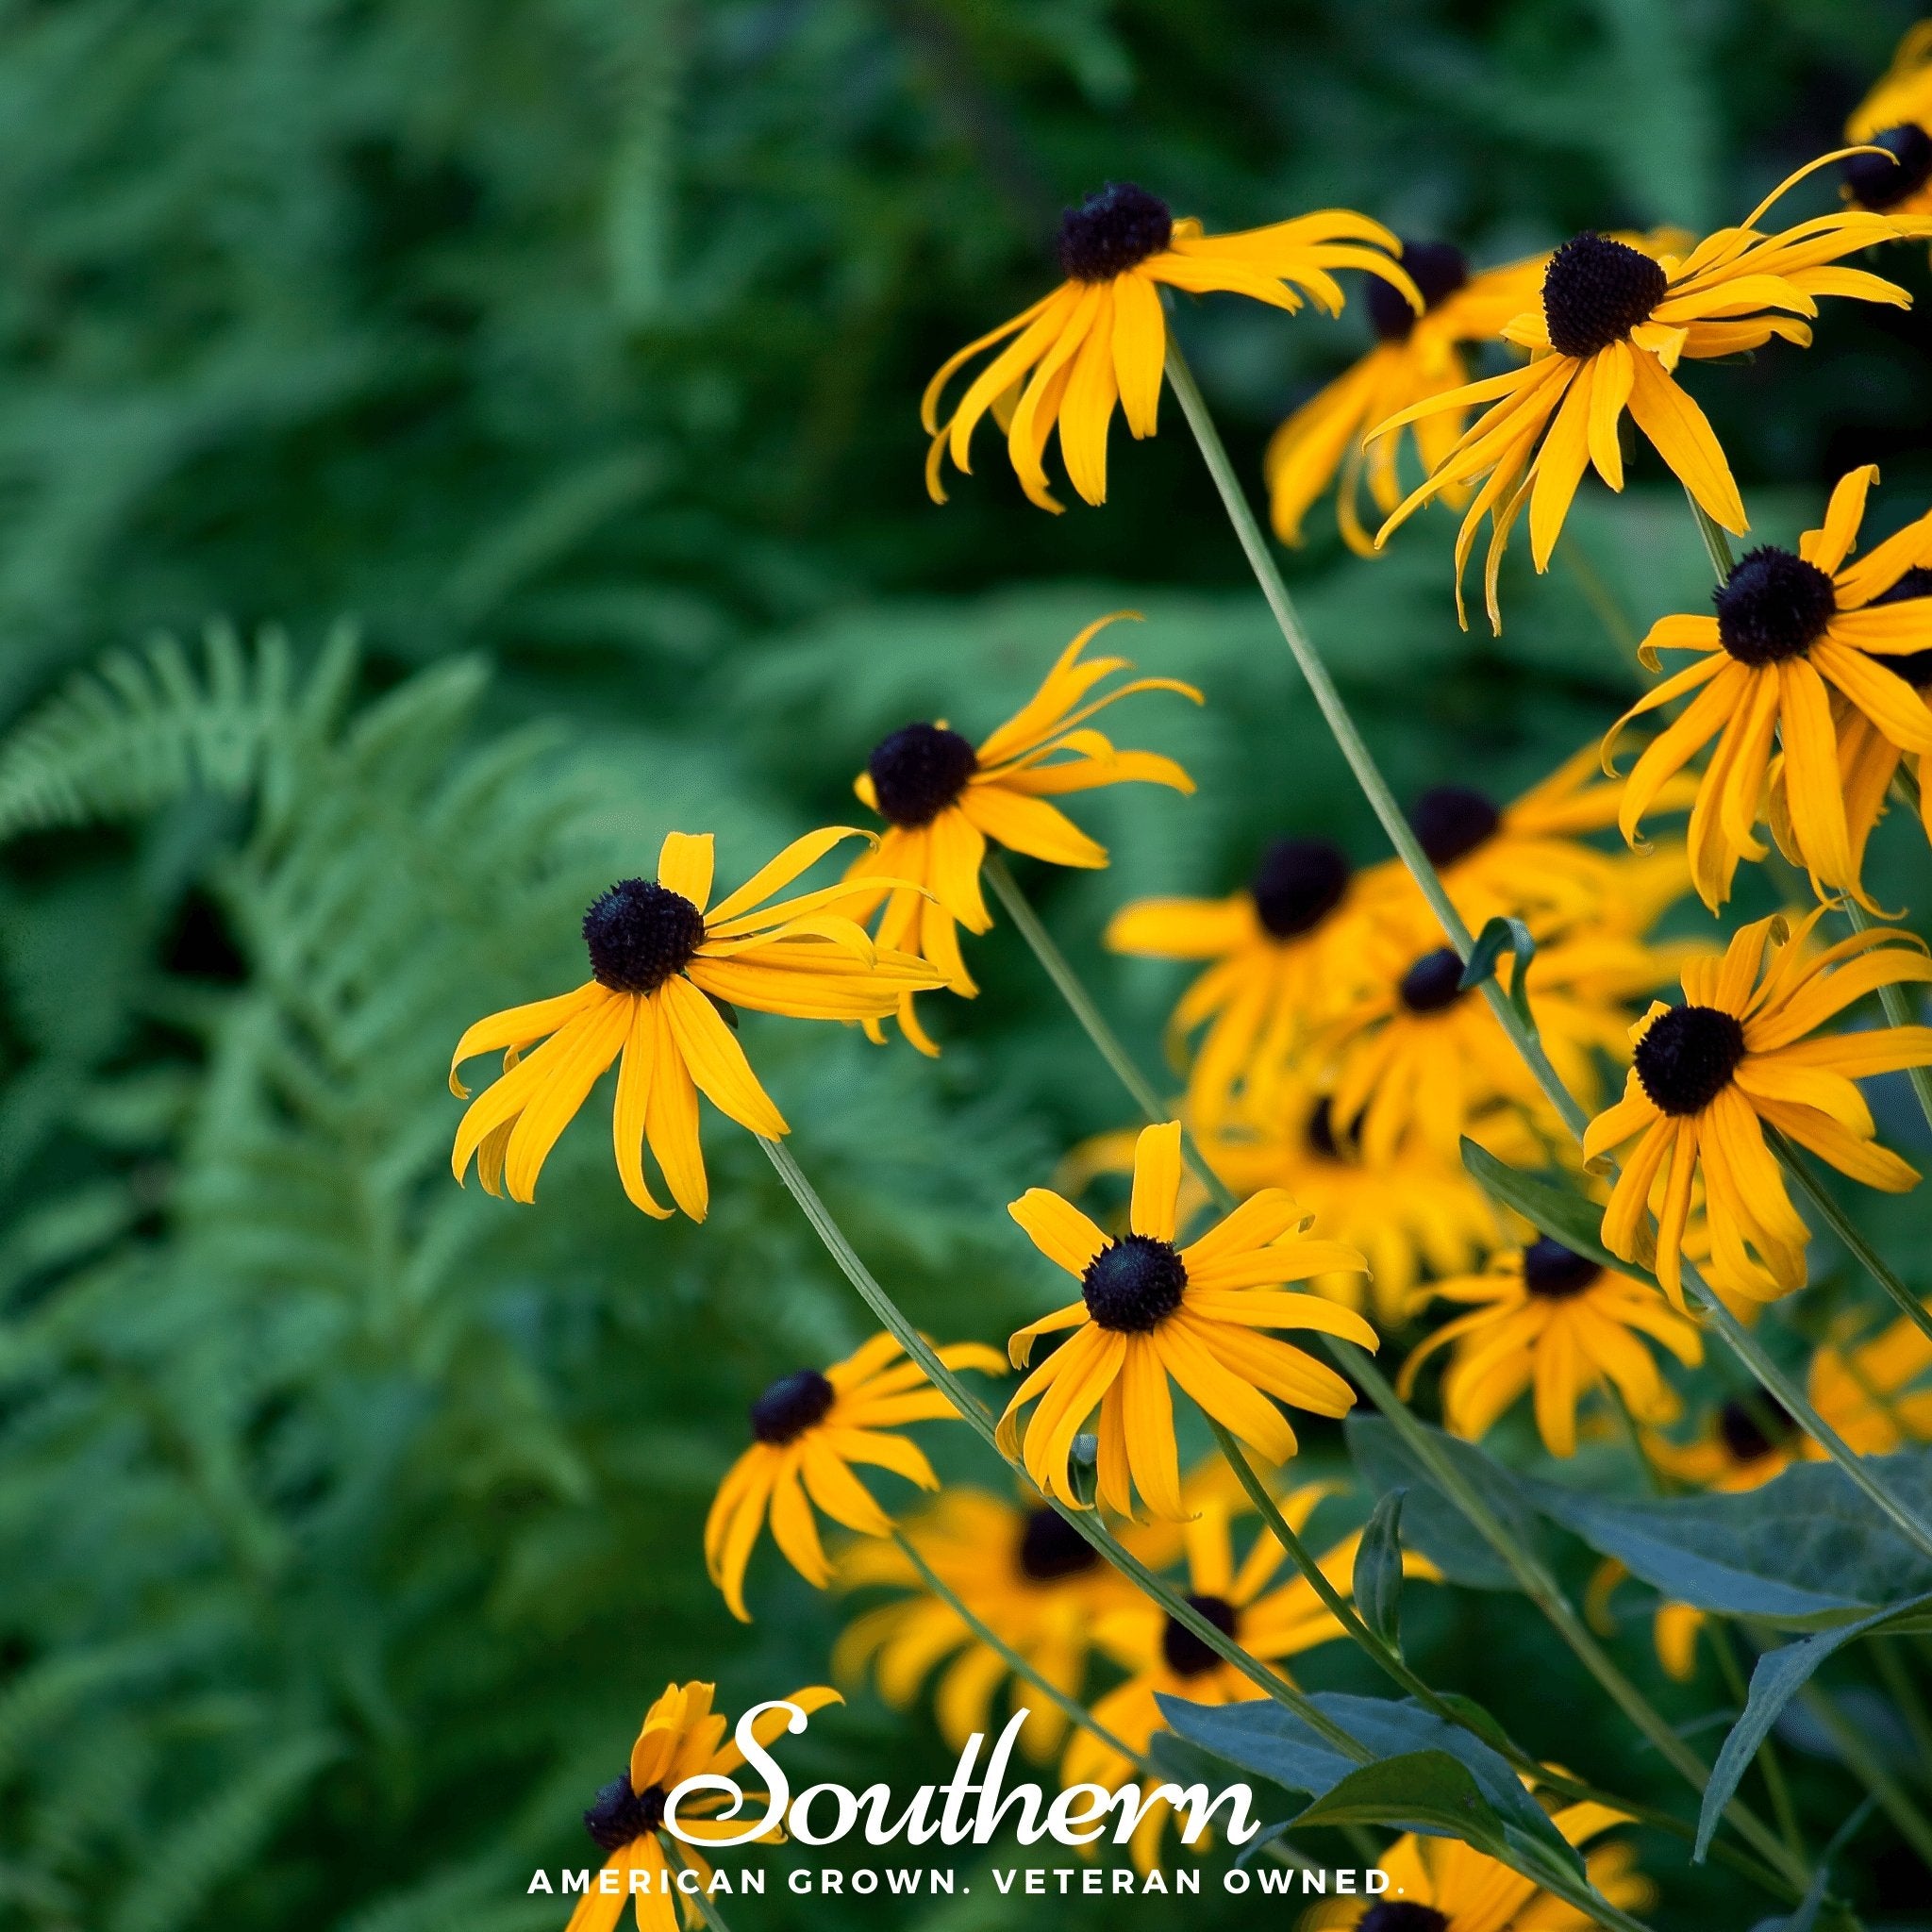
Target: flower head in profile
(1546,1318)
(1443,1885)
(943,798)
(1744,1053)
(667,968)
(1100,339)
(1741,1444)
(1416,356)
(1614,324)
(809,1431)
(1794,631)
(1150,1311)
(683,1736)
(1284,954)
(1895,118)
(1023,1570)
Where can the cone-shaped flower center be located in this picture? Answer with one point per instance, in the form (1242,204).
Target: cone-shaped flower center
(1773,605)
(1298,883)
(791,1405)
(1596,291)
(918,772)
(1401,1915)
(1113,231)
(1688,1058)
(1741,1427)
(1915,667)
(1878,184)
(1051,1548)
(1555,1272)
(1321,1130)
(1186,1654)
(1133,1284)
(641,934)
(1451,821)
(622,1814)
(1437,268)
(1434,982)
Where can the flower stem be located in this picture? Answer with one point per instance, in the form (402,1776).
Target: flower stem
(1898,1013)
(1865,1766)
(1085,1521)
(1770,1767)
(1717,540)
(1069,1707)
(709,1912)
(1855,1243)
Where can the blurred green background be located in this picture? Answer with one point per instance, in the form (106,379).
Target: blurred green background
(525,395)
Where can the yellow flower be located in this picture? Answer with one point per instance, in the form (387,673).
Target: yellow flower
(1285,952)
(1451,1886)
(1415,358)
(1742,1444)
(1416,1056)
(682,1737)
(809,1431)
(1790,628)
(1149,1310)
(663,962)
(1552,1321)
(1736,1057)
(943,799)
(1874,1392)
(1025,1572)
(1101,336)
(1895,116)
(1613,322)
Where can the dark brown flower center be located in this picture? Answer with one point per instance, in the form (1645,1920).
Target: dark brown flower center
(1451,821)
(1915,667)
(1113,231)
(1596,291)
(1878,183)
(1688,1058)
(1555,1272)
(1051,1548)
(1401,1915)
(791,1405)
(1773,605)
(1438,269)
(1187,1655)
(918,772)
(1433,983)
(1133,1284)
(639,934)
(1741,1427)
(621,1814)
(1298,883)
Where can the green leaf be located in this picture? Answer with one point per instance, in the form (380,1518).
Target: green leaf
(1378,1571)
(1804,1551)
(1779,1677)
(1559,1211)
(1499,936)
(1425,1774)
(1802,1917)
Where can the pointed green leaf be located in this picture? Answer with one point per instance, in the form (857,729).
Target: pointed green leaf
(1378,1571)
(1558,1211)
(1499,936)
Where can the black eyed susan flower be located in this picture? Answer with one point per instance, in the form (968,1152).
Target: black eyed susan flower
(808,1429)
(1415,358)
(1545,1319)
(1023,1571)
(1895,117)
(1874,1392)
(1792,628)
(1101,336)
(1443,1885)
(1150,1310)
(683,1736)
(667,967)
(1740,1445)
(943,798)
(1743,1053)
(1285,952)
(1416,1056)
(1614,324)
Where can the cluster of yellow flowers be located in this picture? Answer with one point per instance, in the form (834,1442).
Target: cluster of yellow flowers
(1338,1046)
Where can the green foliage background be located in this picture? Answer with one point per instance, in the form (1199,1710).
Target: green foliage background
(511,411)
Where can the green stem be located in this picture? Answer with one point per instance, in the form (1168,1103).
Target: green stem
(1770,1766)
(1865,1766)
(1898,1013)
(1855,1243)
(1889,1655)
(678,1861)
(1069,1707)
(1717,542)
